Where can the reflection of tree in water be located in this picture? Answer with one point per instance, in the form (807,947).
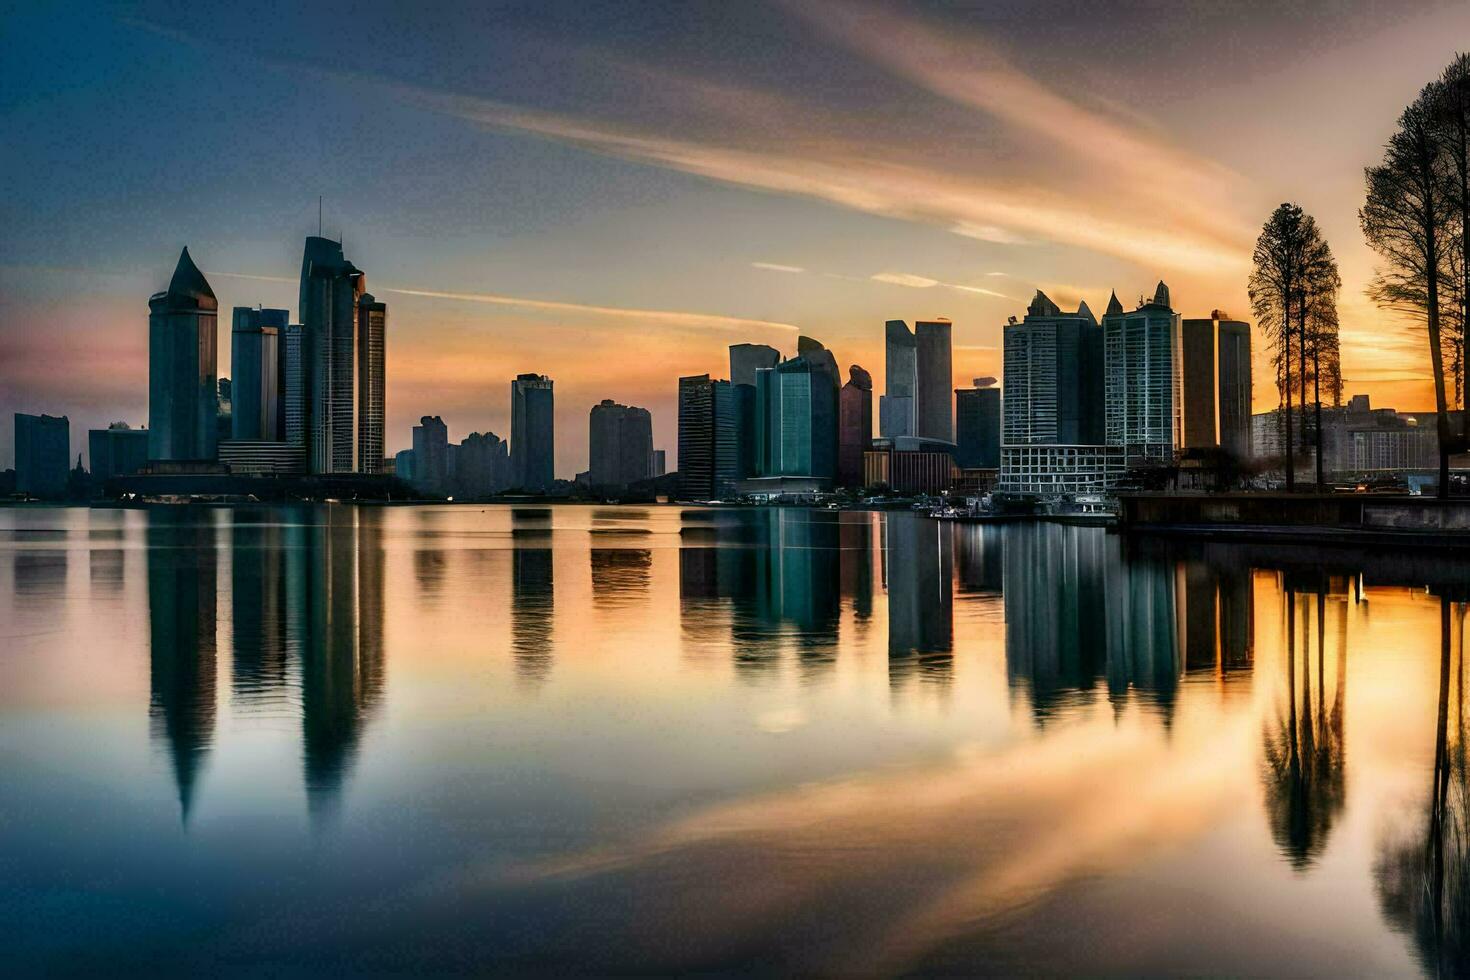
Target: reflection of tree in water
(1424,878)
(1304,750)
(530,614)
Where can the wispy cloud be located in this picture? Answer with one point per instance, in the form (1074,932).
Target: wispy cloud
(670,318)
(776,267)
(924,282)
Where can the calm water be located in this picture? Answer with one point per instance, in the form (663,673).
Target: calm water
(458,739)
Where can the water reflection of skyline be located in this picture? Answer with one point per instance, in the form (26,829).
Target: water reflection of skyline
(1113,674)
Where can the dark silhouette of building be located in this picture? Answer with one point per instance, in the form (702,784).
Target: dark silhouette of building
(708,438)
(933,397)
(182,608)
(532,432)
(255,360)
(431,454)
(619,444)
(42,454)
(1216,370)
(291,386)
(897,405)
(660,462)
(746,359)
(977,415)
(116,451)
(341,363)
(481,466)
(854,426)
(372,325)
(183,398)
(796,416)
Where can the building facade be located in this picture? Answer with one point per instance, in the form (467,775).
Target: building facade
(255,359)
(1143,380)
(619,444)
(854,426)
(1053,363)
(42,454)
(532,432)
(431,454)
(934,392)
(1216,384)
(1060,470)
(708,435)
(330,289)
(116,451)
(372,325)
(977,425)
(896,406)
(183,400)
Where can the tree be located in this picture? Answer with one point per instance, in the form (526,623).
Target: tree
(1406,219)
(1275,281)
(1454,136)
(1319,333)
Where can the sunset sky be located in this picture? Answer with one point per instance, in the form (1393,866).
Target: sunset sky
(612,194)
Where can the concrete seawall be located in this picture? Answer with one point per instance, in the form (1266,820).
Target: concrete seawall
(1356,519)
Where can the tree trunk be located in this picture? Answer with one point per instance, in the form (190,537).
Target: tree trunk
(1286,385)
(1302,340)
(1442,428)
(1317,398)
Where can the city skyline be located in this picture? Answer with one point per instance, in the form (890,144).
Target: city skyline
(629,228)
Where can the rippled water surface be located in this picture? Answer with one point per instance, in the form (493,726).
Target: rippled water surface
(445,739)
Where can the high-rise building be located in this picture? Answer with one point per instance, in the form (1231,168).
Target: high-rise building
(977,413)
(255,363)
(1143,384)
(331,287)
(42,454)
(934,391)
(746,359)
(183,401)
(619,444)
(854,426)
(796,408)
(532,432)
(1053,364)
(660,462)
(291,385)
(896,406)
(1216,376)
(431,454)
(116,451)
(481,465)
(372,322)
(708,435)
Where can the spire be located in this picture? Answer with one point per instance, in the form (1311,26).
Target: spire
(1041,305)
(189,283)
(1161,294)
(1113,305)
(1086,311)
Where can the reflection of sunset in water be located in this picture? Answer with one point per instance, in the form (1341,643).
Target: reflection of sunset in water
(639,739)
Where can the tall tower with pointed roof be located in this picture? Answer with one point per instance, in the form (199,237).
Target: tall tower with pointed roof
(183,394)
(1143,351)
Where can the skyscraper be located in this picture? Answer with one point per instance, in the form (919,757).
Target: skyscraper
(481,466)
(372,322)
(1143,385)
(255,363)
(182,347)
(291,385)
(619,444)
(532,432)
(746,359)
(1216,374)
(431,454)
(42,454)
(116,451)
(854,426)
(1053,364)
(708,433)
(797,415)
(330,290)
(977,413)
(896,406)
(934,391)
